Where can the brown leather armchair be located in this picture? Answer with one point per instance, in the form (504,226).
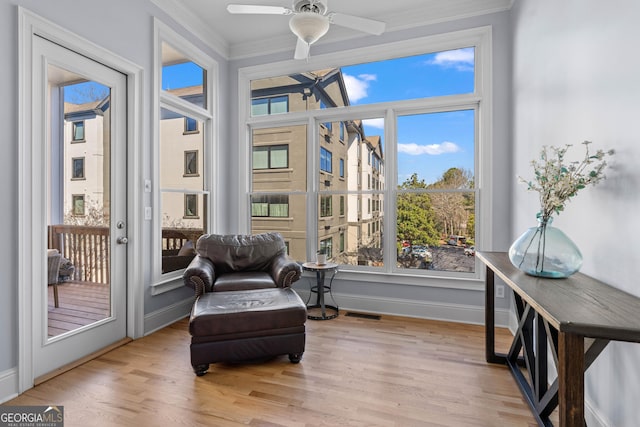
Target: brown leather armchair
(240,262)
(245,308)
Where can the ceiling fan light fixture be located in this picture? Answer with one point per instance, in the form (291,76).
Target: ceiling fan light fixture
(309,26)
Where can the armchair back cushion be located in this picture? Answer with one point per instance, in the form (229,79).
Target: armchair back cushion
(230,253)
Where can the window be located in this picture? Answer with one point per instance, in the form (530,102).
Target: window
(266,106)
(182,158)
(191,163)
(77,168)
(78,132)
(326,208)
(190,205)
(326,245)
(275,206)
(325,160)
(271,157)
(397,189)
(78,204)
(190,125)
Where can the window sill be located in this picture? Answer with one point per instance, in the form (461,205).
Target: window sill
(472,282)
(166,284)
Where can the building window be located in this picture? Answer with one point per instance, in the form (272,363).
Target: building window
(190,125)
(78,132)
(190,205)
(325,160)
(274,206)
(341,205)
(268,106)
(77,168)
(78,204)
(271,157)
(191,163)
(327,246)
(341,168)
(326,206)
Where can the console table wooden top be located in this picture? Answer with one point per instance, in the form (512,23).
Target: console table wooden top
(578,304)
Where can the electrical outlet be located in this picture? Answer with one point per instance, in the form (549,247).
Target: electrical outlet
(147,213)
(500,291)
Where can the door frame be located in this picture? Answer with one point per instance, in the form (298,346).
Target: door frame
(30,195)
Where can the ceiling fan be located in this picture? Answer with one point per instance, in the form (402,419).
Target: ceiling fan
(310,20)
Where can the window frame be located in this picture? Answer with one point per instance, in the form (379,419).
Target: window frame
(480,100)
(160,282)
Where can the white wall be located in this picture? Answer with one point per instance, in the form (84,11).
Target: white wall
(576,76)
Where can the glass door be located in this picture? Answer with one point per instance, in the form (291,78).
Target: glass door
(83,123)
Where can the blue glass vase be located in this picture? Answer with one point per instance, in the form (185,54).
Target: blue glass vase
(545,251)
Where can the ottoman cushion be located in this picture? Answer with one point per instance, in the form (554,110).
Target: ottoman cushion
(241,312)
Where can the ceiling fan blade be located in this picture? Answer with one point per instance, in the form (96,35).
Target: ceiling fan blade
(357,23)
(302,50)
(257,9)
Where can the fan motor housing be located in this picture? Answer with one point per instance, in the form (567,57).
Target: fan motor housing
(316,6)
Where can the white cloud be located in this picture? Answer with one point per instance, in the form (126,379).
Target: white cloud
(357,87)
(432,149)
(374,123)
(460,59)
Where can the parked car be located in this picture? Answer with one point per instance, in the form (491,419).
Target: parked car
(422,253)
(470,251)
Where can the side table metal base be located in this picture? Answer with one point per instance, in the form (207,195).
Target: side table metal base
(327,311)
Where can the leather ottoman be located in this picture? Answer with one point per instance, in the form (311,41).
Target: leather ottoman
(246,325)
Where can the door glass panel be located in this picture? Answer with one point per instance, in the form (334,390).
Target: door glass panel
(79,202)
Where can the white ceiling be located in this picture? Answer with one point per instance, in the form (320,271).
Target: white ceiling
(237,36)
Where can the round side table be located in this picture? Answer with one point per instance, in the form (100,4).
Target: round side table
(326,311)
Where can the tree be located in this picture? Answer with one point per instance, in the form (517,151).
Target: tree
(452,208)
(415,214)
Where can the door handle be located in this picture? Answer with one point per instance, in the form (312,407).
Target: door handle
(122,240)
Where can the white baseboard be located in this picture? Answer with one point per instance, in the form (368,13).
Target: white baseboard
(411,308)
(167,315)
(8,384)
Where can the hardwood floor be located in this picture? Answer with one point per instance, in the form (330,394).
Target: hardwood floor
(355,371)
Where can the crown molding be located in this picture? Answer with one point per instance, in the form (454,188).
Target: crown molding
(195,25)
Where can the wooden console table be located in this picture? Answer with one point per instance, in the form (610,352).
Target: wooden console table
(577,317)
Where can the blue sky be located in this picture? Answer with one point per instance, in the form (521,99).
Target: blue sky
(427,144)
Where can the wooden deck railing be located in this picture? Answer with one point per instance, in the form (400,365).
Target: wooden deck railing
(86,247)
(175,238)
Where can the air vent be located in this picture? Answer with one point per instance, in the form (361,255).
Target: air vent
(363,315)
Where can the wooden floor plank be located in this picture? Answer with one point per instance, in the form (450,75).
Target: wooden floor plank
(355,372)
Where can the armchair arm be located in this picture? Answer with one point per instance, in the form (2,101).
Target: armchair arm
(199,275)
(285,270)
